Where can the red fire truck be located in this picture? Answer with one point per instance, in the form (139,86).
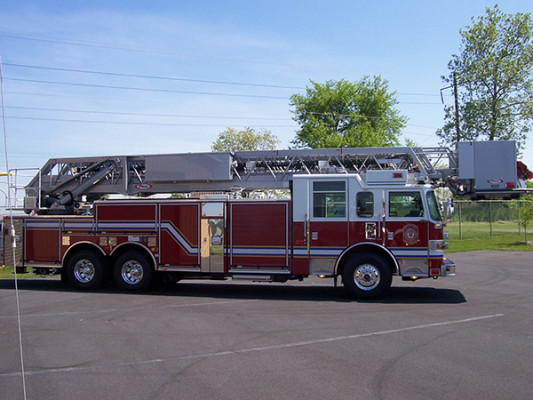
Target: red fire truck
(365,226)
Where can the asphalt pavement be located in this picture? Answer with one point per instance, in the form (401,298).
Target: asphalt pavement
(470,336)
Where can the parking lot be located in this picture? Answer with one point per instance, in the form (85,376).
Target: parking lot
(465,337)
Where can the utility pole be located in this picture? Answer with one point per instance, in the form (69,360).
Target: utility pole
(456,107)
(456,96)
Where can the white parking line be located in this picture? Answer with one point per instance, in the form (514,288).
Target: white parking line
(254,349)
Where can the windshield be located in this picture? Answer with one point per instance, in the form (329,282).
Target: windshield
(434,210)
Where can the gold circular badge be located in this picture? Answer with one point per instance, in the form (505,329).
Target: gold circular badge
(410,234)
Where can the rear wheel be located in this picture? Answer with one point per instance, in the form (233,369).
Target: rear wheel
(85,270)
(366,275)
(133,271)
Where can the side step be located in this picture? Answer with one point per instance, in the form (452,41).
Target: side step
(252,277)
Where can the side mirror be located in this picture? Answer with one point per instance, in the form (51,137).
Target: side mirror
(450,210)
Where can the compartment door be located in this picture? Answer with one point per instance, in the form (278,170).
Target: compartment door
(212,228)
(260,235)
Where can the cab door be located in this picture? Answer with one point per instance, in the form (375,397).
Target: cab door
(327,233)
(366,216)
(406,231)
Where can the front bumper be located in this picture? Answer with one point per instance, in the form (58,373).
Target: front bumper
(447,268)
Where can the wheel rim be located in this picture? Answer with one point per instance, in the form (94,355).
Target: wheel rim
(84,271)
(366,277)
(132,272)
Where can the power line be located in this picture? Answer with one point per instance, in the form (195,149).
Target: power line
(166,78)
(144,114)
(161,115)
(77,96)
(145,89)
(131,100)
(12,234)
(127,123)
(145,50)
(330,114)
(194,80)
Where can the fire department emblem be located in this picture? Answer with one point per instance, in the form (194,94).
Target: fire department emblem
(410,234)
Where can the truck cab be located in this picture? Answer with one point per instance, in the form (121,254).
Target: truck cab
(367,229)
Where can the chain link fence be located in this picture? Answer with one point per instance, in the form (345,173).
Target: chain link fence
(486,218)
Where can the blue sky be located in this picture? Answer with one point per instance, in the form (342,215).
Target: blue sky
(236,64)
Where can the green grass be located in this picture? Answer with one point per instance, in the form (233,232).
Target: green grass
(483,229)
(496,242)
(477,236)
(7,273)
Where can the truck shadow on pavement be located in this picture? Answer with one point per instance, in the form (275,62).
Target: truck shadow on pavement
(259,291)
(396,295)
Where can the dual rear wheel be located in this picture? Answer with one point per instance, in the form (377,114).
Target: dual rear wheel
(132,271)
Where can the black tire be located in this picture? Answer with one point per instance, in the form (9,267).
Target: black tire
(133,271)
(85,270)
(366,275)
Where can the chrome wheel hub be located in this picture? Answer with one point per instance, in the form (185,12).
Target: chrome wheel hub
(132,272)
(366,277)
(84,271)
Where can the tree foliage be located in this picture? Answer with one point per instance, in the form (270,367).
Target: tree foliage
(243,140)
(347,114)
(494,78)
(525,213)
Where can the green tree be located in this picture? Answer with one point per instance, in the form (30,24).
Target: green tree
(410,143)
(494,79)
(525,213)
(525,210)
(347,114)
(247,139)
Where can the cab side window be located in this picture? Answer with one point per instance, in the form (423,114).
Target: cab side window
(405,204)
(365,204)
(329,199)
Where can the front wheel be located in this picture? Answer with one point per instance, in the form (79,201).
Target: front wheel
(366,275)
(133,271)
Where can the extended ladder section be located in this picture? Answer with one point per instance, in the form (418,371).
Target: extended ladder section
(65,184)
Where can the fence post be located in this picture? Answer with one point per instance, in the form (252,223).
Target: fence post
(490,216)
(460,222)
(517,214)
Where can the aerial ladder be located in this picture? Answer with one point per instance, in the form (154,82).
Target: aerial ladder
(69,185)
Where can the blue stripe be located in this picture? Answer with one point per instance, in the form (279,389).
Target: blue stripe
(42,224)
(124,225)
(410,253)
(79,225)
(260,251)
(178,237)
